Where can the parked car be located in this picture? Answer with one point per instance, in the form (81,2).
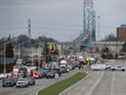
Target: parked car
(118,68)
(22,82)
(8,82)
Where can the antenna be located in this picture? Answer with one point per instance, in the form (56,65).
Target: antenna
(29,28)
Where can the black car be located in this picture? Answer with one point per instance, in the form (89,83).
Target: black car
(63,69)
(52,73)
(31,81)
(8,82)
(75,65)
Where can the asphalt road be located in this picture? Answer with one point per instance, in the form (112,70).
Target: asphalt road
(101,83)
(40,84)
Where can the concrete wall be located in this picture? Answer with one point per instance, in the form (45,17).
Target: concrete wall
(114,46)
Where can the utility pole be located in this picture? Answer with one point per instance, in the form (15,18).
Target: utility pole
(98,27)
(4,57)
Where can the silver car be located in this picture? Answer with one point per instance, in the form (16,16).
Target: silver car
(22,82)
(98,67)
(118,68)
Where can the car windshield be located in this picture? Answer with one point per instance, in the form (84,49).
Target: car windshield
(22,79)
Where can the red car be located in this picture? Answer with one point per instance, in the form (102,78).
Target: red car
(37,74)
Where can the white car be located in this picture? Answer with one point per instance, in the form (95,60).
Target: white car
(98,67)
(118,68)
(63,62)
(108,66)
(3,75)
(22,82)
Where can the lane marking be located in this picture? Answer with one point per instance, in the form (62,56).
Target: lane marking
(95,85)
(112,83)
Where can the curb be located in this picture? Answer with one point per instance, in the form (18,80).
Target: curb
(37,91)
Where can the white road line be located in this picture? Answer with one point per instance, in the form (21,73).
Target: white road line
(95,85)
(112,83)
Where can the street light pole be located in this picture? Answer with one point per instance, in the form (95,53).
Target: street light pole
(98,27)
(117,52)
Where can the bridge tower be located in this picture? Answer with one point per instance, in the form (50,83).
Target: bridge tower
(89,24)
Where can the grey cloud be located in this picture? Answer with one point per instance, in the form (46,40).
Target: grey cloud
(61,19)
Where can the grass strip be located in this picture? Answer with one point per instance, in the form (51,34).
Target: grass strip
(58,87)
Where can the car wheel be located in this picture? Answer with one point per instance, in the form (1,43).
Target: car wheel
(113,69)
(123,70)
(28,85)
(33,83)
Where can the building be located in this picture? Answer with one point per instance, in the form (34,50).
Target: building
(7,52)
(114,46)
(121,33)
(7,58)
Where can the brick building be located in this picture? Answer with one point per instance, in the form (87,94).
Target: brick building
(121,33)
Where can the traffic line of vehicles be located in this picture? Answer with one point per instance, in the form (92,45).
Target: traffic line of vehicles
(108,67)
(25,82)
(20,82)
(23,76)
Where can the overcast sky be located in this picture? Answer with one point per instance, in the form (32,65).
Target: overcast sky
(60,19)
